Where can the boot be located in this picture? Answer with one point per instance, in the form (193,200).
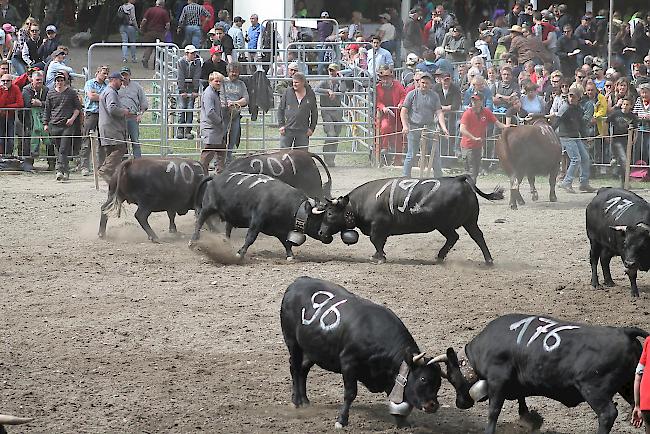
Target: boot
(206,158)
(221,162)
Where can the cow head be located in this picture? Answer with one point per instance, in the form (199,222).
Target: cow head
(423,383)
(468,387)
(336,216)
(636,246)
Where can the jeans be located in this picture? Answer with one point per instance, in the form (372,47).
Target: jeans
(413,139)
(133,131)
(321,69)
(63,144)
(128,34)
(472,158)
(185,102)
(333,132)
(232,133)
(642,146)
(114,154)
(192,36)
(7,132)
(19,66)
(294,139)
(578,156)
(90,124)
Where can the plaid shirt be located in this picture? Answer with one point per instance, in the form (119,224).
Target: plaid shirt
(191,15)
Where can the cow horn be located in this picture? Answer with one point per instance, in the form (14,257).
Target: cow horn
(438,359)
(418,357)
(335,201)
(317,211)
(6,419)
(311,201)
(644,226)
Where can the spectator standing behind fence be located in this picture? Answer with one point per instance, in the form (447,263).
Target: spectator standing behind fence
(128,26)
(22,36)
(49,43)
(212,128)
(450,101)
(297,114)
(237,36)
(223,20)
(57,65)
(622,120)
(34,96)
(390,96)
(412,33)
(30,48)
(420,110)
(112,126)
(133,98)
(253,34)
(10,98)
(92,91)
(62,109)
(378,56)
(454,45)
(331,91)
(324,29)
(214,63)
(190,22)
(154,24)
(642,110)
(386,31)
(207,23)
(568,48)
(234,97)
(222,39)
(189,74)
(473,130)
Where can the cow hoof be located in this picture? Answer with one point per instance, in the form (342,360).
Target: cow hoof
(534,197)
(101,236)
(338,425)
(489,262)
(513,206)
(532,420)
(239,256)
(155,240)
(609,283)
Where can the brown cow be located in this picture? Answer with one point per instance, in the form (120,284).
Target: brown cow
(529,150)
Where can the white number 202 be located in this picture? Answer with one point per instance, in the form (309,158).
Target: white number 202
(545,329)
(318,306)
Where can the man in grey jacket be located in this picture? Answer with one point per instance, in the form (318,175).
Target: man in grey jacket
(132,97)
(234,97)
(212,127)
(331,92)
(297,114)
(112,126)
(189,76)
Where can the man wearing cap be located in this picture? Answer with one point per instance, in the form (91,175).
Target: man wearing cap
(419,111)
(133,98)
(92,90)
(386,31)
(413,33)
(62,109)
(234,97)
(189,76)
(324,29)
(473,130)
(570,126)
(390,96)
(214,63)
(378,56)
(10,98)
(568,47)
(49,43)
(237,35)
(153,26)
(412,60)
(190,20)
(454,45)
(450,101)
(220,38)
(57,65)
(112,126)
(331,91)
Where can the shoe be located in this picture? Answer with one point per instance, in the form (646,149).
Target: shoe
(613,162)
(189,136)
(85,172)
(124,60)
(567,188)
(587,188)
(145,64)
(134,60)
(179,136)
(66,176)
(59,176)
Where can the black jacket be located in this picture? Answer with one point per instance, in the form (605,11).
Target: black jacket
(260,94)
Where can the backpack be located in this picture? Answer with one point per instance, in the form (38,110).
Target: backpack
(123,17)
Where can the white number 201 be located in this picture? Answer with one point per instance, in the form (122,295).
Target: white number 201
(545,329)
(318,306)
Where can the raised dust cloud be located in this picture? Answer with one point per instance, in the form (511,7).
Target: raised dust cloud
(216,247)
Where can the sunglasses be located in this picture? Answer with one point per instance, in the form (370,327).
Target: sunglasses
(555,81)
(565,85)
(509,61)
(5,81)
(608,85)
(581,77)
(34,31)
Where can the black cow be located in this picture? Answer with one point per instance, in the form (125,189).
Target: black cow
(155,185)
(397,206)
(293,166)
(6,419)
(324,324)
(263,204)
(520,355)
(618,224)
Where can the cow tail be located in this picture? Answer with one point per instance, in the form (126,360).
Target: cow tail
(197,200)
(327,187)
(115,206)
(497,194)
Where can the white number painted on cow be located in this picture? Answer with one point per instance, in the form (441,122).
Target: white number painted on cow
(275,166)
(318,306)
(545,329)
(618,206)
(258,178)
(406,185)
(184,170)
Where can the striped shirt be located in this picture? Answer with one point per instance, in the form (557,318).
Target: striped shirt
(191,15)
(643,112)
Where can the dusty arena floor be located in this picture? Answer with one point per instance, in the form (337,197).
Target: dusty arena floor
(123,335)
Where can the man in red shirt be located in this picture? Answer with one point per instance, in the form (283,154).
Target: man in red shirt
(10,98)
(473,129)
(641,412)
(153,26)
(390,95)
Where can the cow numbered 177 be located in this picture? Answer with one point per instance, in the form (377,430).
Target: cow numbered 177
(324,324)
(518,355)
(155,185)
(397,206)
(618,224)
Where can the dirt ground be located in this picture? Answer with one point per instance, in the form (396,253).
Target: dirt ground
(122,335)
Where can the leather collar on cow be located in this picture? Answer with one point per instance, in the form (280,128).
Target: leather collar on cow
(301,216)
(350,222)
(466,368)
(396,404)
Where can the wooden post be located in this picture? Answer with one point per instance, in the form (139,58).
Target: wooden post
(628,157)
(93,156)
(247,135)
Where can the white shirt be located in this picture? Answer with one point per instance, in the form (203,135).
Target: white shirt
(389,32)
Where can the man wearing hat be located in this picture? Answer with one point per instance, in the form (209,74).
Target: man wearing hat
(57,65)
(386,31)
(92,91)
(214,63)
(450,100)
(189,76)
(153,26)
(331,92)
(220,38)
(133,98)
(412,60)
(413,33)
(49,44)
(420,110)
(237,35)
(112,126)
(324,28)
(473,130)
(454,45)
